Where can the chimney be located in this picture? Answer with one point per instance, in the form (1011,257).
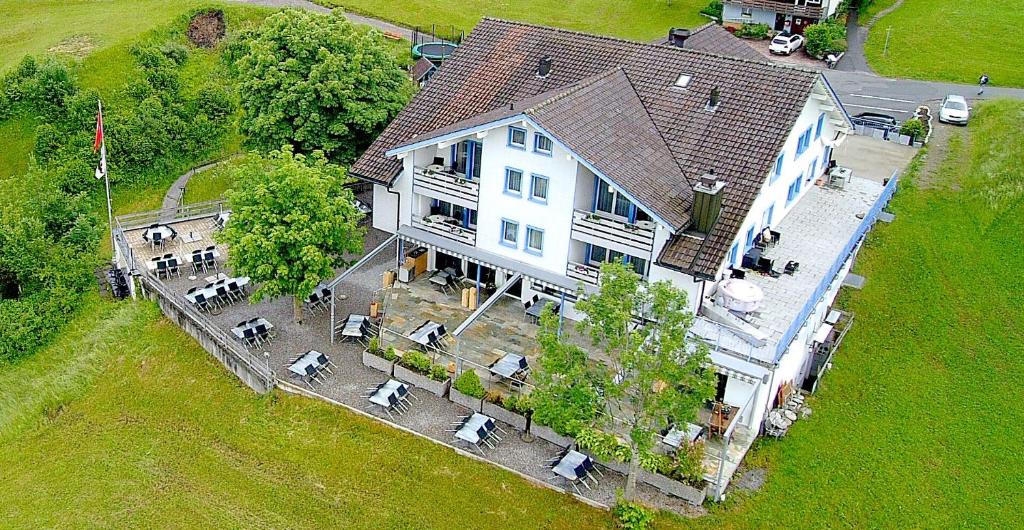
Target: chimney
(707,202)
(677,37)
(714,99)
(544,68)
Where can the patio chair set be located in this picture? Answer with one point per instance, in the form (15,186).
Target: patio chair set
(309,367)
(255,332)
(165,265)
(205,259)
(512,368)
(221,220)
(218,294)
(446,280)
(392,396)
(157,235)
(575,467)
(319,300)
(478,430)
(431,337)
(534,307)
(358,328)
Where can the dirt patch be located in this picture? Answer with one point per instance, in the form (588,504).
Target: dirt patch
(207,29)
(77,46)
(938,151)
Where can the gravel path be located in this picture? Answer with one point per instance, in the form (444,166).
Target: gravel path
(386,27)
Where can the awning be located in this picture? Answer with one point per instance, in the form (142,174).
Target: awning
(487,259)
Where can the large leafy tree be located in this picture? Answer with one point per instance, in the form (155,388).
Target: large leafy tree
(644,371)
(317,82)
(292,222)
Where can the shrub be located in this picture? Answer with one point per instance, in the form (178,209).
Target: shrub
(824,38)
(604,446)
(390,354)
(494,396)
(520,404)
(416,361)
(913,128)
(753,31)
(469,384)
(632,515)
(438,372)
(373,346)
(713,10)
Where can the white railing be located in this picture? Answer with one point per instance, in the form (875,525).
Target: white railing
(582,272)
(445,184)
(596,229)
(447,230)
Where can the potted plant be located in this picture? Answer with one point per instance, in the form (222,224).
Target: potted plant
(511,409)
(416,368)
(379,358)
(467,390)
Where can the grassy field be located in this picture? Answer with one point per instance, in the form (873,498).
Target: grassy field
(631,19)
(873,7)
(951,40)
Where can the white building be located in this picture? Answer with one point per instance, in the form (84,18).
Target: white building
(780,15)
(544,152)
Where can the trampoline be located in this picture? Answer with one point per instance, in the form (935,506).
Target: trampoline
(435,51)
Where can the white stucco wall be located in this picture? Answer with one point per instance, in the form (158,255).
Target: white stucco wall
(385,206)
(733,13)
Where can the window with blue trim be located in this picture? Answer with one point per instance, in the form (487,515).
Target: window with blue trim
(534,241)
(734,253)
(813,170)
(794,189)
(778,167)
(466,156)
(509,233)
(805,141)
(821,125)
(541,144)
(750,239)
(517,137)
(766,220)
(538,188)
(514,181)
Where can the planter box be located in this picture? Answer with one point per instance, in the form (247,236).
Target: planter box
(621,468)
(546,433)
(688,493)
(422,381)
(378,363)
(469,402)
(504,415)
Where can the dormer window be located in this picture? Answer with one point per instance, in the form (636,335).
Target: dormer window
(517,137)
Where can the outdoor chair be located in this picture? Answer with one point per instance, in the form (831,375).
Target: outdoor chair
(197,263)
(172,266)
(222,294)
(202,303)
(157,240)
(161,269)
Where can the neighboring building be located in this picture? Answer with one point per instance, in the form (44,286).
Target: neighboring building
(422,70)
(781,15)
(544,152)
(712,38)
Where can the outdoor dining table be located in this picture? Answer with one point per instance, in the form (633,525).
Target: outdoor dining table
(355,326)
(165,232)
(690,433)
(239,331)
(427,333)
(477,430)
(536,310)
(575,467)
(154,263)
(392,395)
(512,366)
(309,365)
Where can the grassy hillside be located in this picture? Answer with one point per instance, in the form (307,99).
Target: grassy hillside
(951,40)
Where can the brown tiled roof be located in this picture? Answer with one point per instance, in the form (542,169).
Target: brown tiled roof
(496,65)
(713,38)
(421,68)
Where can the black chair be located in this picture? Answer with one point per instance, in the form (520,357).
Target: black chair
(158,240)
(172,266)
(738,274)
(791,267)
(202,303)
(209,261)
(765,265)
(161,269)
(222,293)
(197,263)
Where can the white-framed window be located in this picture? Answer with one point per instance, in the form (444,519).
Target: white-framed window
(517,137)
(747,12)
(538,188)
(534,240)
(514,181)
(509,233)
(541,144)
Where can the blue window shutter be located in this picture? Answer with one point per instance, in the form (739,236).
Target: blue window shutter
(454,154)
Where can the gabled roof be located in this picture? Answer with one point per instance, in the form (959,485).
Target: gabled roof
(602,121)
(421,68)
(713,38)
(739,140)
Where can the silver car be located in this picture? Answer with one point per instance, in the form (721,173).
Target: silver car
(954,109)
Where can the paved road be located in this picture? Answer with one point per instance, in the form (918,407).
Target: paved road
(862,92)
(853,60)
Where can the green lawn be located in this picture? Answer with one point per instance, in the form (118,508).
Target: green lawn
(872,8)
(951,40)
(631,19)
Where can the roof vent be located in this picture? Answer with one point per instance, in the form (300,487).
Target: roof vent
(677,37)
(707,202)
(544,67)
(714,99)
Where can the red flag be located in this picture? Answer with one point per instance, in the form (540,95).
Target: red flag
(99,131)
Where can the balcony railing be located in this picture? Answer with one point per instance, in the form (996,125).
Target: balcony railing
(635,239)
(434,181)
(800,8)
(582,272)
(446,229)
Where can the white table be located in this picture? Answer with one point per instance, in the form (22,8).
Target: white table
(390,393)
(476,428)
(573,466)
(354,326)
(427,334)
(509,366)
(152,264)
(821,335)
(689,432)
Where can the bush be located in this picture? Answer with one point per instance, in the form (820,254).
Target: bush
(604,446)
(713,10)
(373,346)
(390,354)
(824,38)
(469,384)
(913,128)
(438,372)
(632,515)
(520,404)
(416,361)
(494,396)
(753,31)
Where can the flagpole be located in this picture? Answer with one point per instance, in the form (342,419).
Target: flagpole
(106,183)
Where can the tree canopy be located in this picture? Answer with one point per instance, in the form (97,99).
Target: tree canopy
(292,222)
(317,82)
(645,372)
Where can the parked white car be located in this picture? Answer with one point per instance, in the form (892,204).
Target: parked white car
(954,109)
(785,44)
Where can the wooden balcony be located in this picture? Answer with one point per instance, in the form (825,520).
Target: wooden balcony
(635,239)
(434,182)
(800,8)
(445,229)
